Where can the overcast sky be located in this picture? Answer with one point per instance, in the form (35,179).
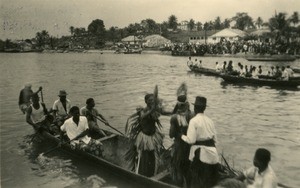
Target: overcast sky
(21,19)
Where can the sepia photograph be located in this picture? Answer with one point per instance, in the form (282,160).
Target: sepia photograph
(150,94)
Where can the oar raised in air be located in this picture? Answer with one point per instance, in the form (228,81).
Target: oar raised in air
(106,123)
(59,145)
(42,96)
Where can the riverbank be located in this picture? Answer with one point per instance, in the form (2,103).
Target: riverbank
(158,51)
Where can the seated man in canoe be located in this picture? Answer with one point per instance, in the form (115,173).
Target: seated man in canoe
(261,174)
(92,115)
(61,108)
(37,115)
(77,129)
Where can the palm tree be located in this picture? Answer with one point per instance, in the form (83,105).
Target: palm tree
(191,24)
(243,21)
(72,30)
(217,23)
(199,26)
(42,38)
(226,23)
(259,22)
(294,18)
(278,22)
(172,22)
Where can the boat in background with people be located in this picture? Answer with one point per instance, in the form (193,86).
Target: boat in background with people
(128,49)
(282,57)
(260,82)
(205,71)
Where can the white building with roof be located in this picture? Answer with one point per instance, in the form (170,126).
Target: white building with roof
(155,41)
(132,40)
(226,35)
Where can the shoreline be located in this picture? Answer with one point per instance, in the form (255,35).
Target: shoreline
(157,51)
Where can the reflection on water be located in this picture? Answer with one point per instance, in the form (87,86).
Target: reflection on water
(246,117)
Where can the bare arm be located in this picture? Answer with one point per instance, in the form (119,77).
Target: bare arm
(146,112)
(28,118)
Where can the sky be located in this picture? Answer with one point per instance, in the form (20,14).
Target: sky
(22,19)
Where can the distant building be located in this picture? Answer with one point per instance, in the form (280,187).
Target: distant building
(263,35)
(226,35)
(132,40)
(183,25)
(24,45)
(200,37)
(155,41)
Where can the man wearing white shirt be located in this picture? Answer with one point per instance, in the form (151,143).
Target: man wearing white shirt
(261,175)
(75,126)
(201,134)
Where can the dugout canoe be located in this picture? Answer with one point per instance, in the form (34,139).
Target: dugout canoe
(271,58)
(260,82)
(295,78)
(114,147)
(205,71)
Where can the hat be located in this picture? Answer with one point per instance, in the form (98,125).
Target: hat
(62,93)
(200,101)
(181,98)
(28,85)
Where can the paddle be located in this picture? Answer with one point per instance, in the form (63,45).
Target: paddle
(59,145)
(106,123)
(42,96)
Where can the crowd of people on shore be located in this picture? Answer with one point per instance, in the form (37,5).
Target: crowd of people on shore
(227,47)
(194,156)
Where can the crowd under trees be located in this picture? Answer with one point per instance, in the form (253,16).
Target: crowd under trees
(96,35)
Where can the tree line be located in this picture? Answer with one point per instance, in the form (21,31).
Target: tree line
(96,35)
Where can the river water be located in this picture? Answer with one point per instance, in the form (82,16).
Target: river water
(246,117)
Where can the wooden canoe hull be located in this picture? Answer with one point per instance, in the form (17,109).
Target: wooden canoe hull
(187,53)
(271,58)
(205,71)
(113,160)
(260,82)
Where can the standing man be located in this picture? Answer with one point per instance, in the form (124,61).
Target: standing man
(143,129)
(180,154)
(91,114)
(24,97)
(149,139)
(201,134)
(61,107)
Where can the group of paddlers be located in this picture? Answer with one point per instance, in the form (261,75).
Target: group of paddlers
(194,156)
(79,125)
(278,73)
